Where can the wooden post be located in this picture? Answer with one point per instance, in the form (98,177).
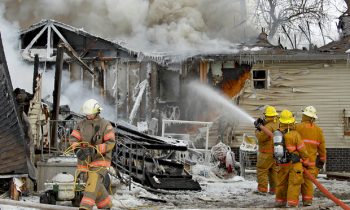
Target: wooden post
(36,71)
(14,194)
(56,95)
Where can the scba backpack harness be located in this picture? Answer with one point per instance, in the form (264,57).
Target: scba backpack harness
(281,154)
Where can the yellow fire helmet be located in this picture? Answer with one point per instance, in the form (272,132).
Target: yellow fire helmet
(310,111)
(91,106)
(286,117)
(270,111)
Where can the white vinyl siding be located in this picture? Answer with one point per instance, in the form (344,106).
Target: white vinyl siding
(296,84)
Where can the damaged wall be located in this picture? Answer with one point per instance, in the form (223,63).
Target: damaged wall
(118,71)
(228,77)
(123,80)
(297,84)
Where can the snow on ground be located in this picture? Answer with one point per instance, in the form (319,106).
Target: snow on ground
(236,192)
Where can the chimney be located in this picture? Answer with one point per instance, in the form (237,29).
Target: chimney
(262,36)
(344,26)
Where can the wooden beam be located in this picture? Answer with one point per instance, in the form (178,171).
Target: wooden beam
(48,42)
(56,95)
(35,72)
(35,38)
(59,34)
(74,55)
(14,194)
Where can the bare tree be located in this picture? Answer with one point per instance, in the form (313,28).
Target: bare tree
(272,14)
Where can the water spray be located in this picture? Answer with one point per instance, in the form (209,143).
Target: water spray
(217,98)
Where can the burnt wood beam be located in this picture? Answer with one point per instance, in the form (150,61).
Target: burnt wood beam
(74,55)
(56,94)
(126,129)
(157,146)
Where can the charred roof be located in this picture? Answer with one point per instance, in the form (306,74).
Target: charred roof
(14,152)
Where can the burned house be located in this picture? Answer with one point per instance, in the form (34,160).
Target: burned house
(143,88)
(146,88)
(136,85)
(289,79)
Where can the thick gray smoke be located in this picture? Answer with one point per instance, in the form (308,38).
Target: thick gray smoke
(17,68)
(22,73)
(147,25)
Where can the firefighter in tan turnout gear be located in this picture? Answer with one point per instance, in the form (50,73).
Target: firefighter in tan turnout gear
(266,166)
(290,155)
(313,139)
(93,139)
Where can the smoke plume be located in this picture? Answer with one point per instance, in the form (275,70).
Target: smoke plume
(147,25)
(21,73)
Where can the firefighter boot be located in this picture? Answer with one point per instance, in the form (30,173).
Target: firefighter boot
(307,203)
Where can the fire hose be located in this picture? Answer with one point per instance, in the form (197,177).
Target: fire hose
(325,191)
(312,178)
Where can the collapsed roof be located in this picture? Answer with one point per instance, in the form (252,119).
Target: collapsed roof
(14,151)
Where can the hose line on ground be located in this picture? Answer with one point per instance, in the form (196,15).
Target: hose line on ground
(325,191)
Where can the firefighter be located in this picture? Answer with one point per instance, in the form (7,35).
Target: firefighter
(93,139)
(313,138)
(266,166)
(290,155)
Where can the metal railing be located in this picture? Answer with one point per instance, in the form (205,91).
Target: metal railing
(248,152)
(64,128)
(126,156)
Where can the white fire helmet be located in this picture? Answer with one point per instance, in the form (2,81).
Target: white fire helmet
(91,106)
(310,111)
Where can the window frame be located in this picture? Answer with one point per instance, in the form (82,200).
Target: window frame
(265,80)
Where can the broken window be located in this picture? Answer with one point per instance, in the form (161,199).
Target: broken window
(260,79)
(169,85)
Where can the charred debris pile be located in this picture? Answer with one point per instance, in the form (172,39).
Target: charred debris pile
(149,160)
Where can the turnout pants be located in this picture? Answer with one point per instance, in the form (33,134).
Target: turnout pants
(95,192)
(290,178)
(266,173)
(307,189)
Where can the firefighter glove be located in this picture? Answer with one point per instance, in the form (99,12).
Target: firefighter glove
(258,122)
(295,158)
(84,153)
(319,163)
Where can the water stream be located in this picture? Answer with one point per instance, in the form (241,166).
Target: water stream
(221,101)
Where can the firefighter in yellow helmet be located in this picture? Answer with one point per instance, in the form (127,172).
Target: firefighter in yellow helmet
(290,155)
(266,166)
(93,139)
(314,141)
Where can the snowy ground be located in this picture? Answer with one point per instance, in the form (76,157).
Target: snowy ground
(233,193)
(236,192)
